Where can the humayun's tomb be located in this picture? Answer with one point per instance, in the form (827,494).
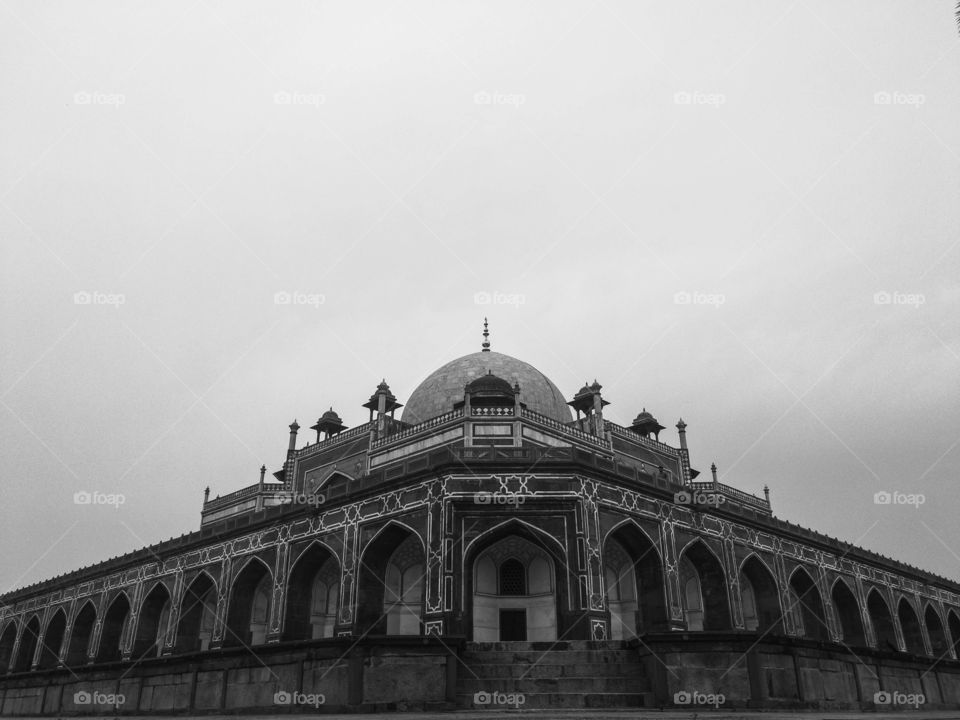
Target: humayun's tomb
(495,543)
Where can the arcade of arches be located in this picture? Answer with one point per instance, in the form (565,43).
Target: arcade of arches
(516,589)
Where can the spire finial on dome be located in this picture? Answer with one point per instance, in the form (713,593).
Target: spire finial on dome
(486,337)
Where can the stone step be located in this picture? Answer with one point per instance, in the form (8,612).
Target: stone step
(556,700)
(544,670)
(564,685)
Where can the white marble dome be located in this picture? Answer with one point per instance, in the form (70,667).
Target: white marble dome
(444,387)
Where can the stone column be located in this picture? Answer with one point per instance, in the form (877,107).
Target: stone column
(733,579)
(671,574)
(347,613)
(279,595)
(223,598)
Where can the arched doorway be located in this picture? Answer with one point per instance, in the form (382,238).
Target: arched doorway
(882,621)
(80,635)
(953,623)
(313,595)
(249,606)
(28,645)
(910,624)
(938,638)
(807,606)
(198,610)
(703,589)
(152,624)
(848,613)
(52,641)
(7,640)
(114,623)
(759,597)
(390,591)
(634,583)
(514,593)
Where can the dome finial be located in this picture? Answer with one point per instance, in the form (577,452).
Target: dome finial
(486,337)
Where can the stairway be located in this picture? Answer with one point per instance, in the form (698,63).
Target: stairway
(570,674)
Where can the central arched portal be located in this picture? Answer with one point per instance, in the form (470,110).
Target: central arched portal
(514,593)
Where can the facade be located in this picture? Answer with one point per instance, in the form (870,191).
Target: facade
(495,543)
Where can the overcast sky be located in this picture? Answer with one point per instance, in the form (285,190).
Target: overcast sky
(742,213)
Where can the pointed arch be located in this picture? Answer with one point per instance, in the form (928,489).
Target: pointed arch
(882,620)
(198,609)
(52,641)
(935,631)
(249,605)
(515,526)
(848,614)
(636,592)
(8,639)
(313,582)
(114,623)
(390,587)
(392,526)
(953,624)
(29,637)
(807,605)
(703,573)
(79,645)
(152,622)
(758,586)
(910,625)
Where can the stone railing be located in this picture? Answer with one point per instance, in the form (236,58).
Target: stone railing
(627,434)
(426,425)
(732,493)
(566,429)
(222,501)
(350,434)
(491,412)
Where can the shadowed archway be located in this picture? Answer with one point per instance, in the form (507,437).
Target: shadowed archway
(935,631)
(313,595)
(391,583)
(953,623)
(80,635)
(7,640)
(703,589)
(28,645)
(910,625)
(634,579)
(198,610)
(882,620)
(114,623)
(848,614)
(759,597)
(152,624)
(52,641)
(249,606)
(808,605)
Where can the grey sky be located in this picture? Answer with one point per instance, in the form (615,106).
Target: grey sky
(586,162)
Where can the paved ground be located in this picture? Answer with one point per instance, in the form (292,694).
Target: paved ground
(599,714)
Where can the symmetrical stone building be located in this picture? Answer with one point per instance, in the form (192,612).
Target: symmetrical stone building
(416,562)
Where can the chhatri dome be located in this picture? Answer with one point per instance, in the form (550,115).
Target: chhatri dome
(444,387)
